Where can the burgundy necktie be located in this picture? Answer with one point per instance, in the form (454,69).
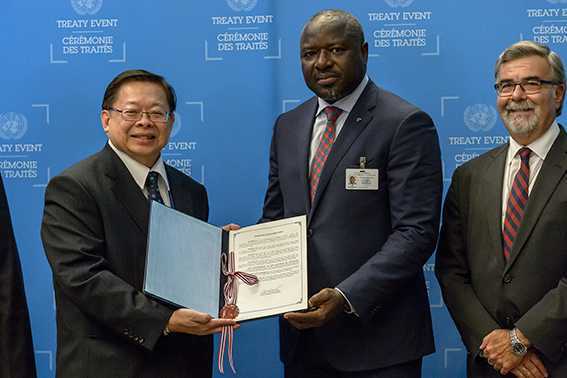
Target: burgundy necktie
(324,148)
(517,200)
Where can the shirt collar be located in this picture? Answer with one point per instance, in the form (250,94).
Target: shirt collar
(346,103)
(138,170)
(540,146)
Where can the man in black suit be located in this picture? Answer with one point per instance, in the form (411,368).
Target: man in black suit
(364,165)
(94,233)
(16,348)
(502,256)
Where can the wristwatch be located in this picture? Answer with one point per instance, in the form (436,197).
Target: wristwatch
(518,347)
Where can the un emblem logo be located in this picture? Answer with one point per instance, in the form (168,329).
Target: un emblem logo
(84,7)
(399,3)
(242,5)
(13,125)
(480,117)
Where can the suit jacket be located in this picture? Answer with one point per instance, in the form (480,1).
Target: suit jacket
(16,348)
(370,244)
(94,233)
(482,291)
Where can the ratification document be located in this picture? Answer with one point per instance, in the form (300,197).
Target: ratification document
(187,265)
(275,252)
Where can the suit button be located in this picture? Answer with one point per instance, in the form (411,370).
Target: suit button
(507,279)
(125,331)
(509,322)
(310,232)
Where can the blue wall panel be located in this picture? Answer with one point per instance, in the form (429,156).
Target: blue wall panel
(59,55)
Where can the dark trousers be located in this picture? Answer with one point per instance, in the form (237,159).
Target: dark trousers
(307,364)
(411,369)
(479,368)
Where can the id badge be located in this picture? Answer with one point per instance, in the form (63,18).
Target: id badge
(361,179)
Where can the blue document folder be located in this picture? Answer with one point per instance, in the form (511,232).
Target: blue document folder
(183,264)
(183,260)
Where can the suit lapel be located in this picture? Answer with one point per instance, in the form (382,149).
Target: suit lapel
(127,192)
(304,148)
(357,120)
(491,196)
(552,171)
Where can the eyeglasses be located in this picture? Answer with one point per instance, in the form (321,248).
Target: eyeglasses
(131,115)
(530,86)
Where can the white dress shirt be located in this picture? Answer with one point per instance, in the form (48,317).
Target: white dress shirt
(540,148)
(140,172)
(345,104)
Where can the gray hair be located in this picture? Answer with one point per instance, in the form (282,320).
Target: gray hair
(525,49)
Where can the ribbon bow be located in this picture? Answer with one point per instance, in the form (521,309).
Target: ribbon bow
(230,310)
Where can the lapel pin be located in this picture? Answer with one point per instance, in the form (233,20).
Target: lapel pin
(358,119)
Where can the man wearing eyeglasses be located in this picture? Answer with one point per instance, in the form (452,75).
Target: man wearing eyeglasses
(502,256)
(94,233)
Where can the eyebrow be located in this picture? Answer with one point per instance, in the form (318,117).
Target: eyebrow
(521,79)
(151,105)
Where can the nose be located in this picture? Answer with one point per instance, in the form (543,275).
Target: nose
(145,119)
(323,60)
(518,93)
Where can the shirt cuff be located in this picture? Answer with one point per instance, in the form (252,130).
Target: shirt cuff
(166,331)
(349,309)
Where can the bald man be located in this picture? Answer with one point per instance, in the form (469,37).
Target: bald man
(364,165)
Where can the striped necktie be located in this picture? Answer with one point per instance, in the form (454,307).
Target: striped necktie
(322,153)
(517,200)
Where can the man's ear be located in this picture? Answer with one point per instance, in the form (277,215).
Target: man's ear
(364,49)
(105,120)
(559,94)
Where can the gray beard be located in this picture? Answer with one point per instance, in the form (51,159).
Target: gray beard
(519,124)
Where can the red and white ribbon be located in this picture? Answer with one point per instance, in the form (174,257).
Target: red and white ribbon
(230,310)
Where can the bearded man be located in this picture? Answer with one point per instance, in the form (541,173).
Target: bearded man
(502,255)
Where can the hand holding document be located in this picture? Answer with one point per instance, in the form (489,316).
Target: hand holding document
(235,273)
(324,306)
(189,321)
(183,264)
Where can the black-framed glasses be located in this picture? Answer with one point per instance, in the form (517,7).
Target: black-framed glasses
(132,115)
(506,88)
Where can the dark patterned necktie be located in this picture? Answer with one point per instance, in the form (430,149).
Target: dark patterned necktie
(517,200)
(322,153)
(152,187)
